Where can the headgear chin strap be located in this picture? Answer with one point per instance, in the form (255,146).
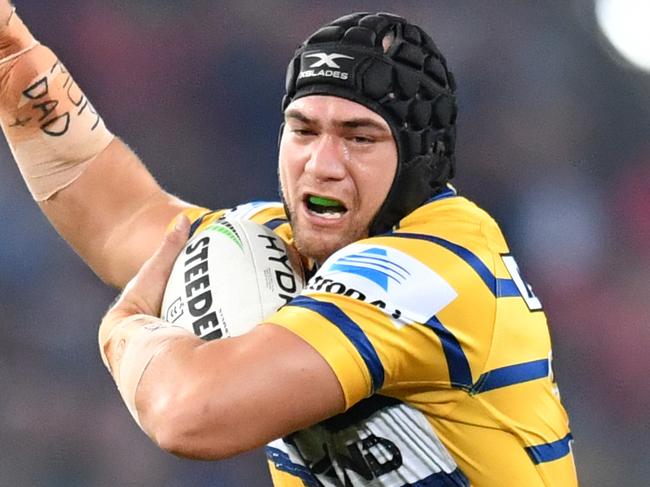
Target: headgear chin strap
(394,69)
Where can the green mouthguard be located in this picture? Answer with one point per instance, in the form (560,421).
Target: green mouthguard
(317,200)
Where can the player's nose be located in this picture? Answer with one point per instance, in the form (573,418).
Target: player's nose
(327,160)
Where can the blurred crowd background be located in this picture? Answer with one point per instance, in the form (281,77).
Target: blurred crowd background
(553,140)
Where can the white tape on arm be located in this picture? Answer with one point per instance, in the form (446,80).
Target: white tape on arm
(51,127)
(128,345)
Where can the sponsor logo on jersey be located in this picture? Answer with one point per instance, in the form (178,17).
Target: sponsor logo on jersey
(361,461)
(321,284)
(405,288)
(374,265)
(388,443)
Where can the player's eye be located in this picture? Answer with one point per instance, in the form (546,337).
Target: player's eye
(302,132)
(360,139)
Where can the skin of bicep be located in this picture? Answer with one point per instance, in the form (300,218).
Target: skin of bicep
(114,215)
(216,399)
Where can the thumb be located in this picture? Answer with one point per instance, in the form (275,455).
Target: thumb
(160,264)
(145,291)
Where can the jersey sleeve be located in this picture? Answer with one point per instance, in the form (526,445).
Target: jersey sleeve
(370,312)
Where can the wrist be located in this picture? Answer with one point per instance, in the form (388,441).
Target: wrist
(53,131)
(128,343)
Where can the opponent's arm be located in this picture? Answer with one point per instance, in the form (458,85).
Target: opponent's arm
(92,187)
(210,400)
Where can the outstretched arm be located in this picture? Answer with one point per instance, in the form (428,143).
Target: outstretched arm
(92,187)
(114,215)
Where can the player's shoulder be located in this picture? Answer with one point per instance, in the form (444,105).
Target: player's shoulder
(449,242)
(454,221)
(446,220)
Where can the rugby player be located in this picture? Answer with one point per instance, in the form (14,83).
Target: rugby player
(417,354)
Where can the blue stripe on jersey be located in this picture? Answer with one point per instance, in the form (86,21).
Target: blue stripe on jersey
(443,479)
(498,287)
(460,374)
(550,451)
(283,463)
(506,288)
(275,223)
(352,331)
(510,375)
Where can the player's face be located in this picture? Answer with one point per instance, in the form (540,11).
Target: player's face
(337,162)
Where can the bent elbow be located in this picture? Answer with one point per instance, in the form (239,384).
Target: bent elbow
(178,442)
(185,431)
(190,443)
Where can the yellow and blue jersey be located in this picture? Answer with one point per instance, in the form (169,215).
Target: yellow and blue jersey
(443,354)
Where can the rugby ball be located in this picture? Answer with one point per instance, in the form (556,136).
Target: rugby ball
(229,277)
